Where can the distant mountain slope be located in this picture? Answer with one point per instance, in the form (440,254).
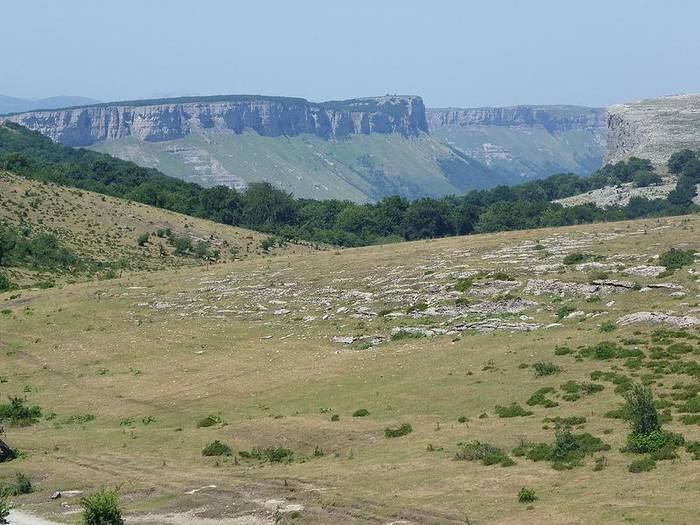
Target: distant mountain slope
(525,141)
(14,104)
(653,128)
(359,149)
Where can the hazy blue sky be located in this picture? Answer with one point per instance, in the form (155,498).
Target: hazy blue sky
(460,53)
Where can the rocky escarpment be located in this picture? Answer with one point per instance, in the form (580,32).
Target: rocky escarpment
(552,118)
(169,119)
(653,129)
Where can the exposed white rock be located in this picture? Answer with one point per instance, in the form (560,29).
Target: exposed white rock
(659,317)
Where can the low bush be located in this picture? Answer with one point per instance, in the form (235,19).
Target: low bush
(675,259)
(483,452)
(101,508)
(642,465)
(16,413)
(216,448)
(693,447)
(526,495)
(540,398)
(545,369)
(642,443)
(21,485)
(269,454)
(512,410)
(563,350)
(404,429)
(362,412)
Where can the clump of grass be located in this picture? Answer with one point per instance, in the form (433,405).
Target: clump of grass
(568,450)
(545,369)
(463,285)
(101,508)
(483,452)
(607,326)
(269,454)
(564,311)
(216,448)
(574,390)
(335,417)
(642,465)
(693,447)
(4,508)
(402,430)
(361,412)
(578,258)
(526,495)
(512,410)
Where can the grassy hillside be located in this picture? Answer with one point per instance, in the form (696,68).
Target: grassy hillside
(433,334)
(530,152)
(360,168)
(106,230)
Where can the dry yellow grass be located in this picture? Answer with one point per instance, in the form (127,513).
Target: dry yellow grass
(252,342)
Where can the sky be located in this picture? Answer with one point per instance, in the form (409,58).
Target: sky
(453,53)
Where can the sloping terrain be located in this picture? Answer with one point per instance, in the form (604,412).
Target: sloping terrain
(654,128)
(358,149)
(136,376)
(360,168)
(107,229)
(525,142)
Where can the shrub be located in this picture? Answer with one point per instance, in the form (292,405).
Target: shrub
(5,283)
(654,441)
(545,369)
(675,259)
(575,258)
(564,311)
(17,414)
(271,454)
(22,485)
(335,417)
(404,429)
(483,452)
(512,410)
(101,508)
(362,412)
(640,406)
(142,239)
(540,398)
(216,448)
(405,334)
(642,465)
(526,495)
(419,306)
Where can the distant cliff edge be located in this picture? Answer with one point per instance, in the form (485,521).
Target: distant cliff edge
(169,119)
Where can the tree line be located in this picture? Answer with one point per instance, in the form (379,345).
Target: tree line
(265,208)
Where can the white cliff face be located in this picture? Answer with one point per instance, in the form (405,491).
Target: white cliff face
(268,116)
(653,129)
(552,118)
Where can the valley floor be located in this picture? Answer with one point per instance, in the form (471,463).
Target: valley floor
(435,334)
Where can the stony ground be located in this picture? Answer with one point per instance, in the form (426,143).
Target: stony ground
(281,353)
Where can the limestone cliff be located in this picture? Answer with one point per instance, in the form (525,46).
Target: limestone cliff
(169,119)
(654,128)
(552,118)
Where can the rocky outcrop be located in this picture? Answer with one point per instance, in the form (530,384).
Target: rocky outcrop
(168,119)
(552,118)
(653,129)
